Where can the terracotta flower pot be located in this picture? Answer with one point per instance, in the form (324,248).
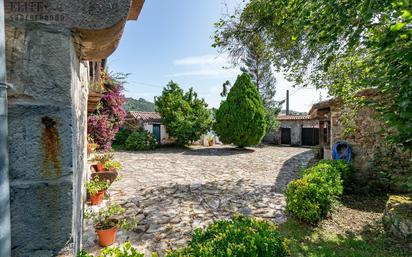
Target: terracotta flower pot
(107,236)
(97,198)
(99,167)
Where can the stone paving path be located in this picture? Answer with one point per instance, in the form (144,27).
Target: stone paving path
(173,191)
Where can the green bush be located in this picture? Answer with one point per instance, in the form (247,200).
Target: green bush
(238,237)
(122,136)
(310,198)
(345,170)
(140,140)
(126,250)
(241,118)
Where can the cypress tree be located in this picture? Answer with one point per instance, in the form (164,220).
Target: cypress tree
(240,119)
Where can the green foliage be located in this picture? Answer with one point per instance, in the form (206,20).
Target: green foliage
(140,105)
(344,46)
(122,136)
(240,119)
(185,116)
(310,198)
(96,185)
(345,170)
(238,237)
(103,158)
(140,140)
(125,250)
(113,165)
(104,218)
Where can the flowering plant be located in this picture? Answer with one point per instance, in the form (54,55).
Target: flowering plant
(110,115)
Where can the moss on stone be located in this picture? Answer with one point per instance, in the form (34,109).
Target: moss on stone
(400,205)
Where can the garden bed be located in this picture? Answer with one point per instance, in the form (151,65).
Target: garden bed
(353,229)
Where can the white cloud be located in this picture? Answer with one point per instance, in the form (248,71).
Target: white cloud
(211,66)
(209,59)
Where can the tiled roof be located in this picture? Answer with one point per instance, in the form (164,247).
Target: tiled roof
(293,117)
(146,116)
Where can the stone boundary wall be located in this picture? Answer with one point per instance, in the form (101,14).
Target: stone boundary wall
(379,165)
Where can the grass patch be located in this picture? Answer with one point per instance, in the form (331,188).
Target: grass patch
(354,229)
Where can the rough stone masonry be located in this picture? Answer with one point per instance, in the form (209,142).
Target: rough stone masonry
(48,46)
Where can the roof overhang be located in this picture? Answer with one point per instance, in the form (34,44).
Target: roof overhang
(97,25)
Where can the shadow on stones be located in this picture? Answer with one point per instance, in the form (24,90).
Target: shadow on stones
(365,203)
(223,151)
(169,214)
(291,170)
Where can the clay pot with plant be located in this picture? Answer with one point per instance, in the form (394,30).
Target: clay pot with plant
(101,160)
(96,189)
(112,166)
(107,223)
(91,145)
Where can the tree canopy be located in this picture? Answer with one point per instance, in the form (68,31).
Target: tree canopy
(185,116)
(240,119)
(344,46)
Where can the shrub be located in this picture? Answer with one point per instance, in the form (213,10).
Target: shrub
(241,118)
(311,198)
(140,140)
(126,250)
(345,170)
(240,237)
(122,136)
(185,116)
(302,200)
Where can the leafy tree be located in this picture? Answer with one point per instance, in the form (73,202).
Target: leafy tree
(185,116)
(140,105)
(240,119)
(345,46)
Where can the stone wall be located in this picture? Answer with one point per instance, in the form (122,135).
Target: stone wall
(379,165)
(46,138)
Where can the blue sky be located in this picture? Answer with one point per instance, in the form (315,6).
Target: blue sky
(172,41)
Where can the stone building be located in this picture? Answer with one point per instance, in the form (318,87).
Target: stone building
(151,122)
(48,48)
(372,155)
(296,130)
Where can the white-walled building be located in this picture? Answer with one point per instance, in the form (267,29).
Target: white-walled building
(151,122)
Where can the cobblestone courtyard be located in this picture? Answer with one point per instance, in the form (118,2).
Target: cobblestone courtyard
(173,191)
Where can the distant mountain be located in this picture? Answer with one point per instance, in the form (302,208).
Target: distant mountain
(283,112)
(140,105)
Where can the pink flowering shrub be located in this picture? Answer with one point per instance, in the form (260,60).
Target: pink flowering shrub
(106,121)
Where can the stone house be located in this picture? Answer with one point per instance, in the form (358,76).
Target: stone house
(49,47)
(151,122)
(296,130)
(371,154)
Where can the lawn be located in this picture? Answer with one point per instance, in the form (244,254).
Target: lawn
(352,230)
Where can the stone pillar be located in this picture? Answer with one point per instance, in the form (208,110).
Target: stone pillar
(47,121)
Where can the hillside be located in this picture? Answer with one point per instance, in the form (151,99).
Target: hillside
(141,105)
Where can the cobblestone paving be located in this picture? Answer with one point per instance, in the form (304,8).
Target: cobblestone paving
(173,191)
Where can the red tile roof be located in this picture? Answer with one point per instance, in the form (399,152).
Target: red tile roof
(146,116)
(293,117)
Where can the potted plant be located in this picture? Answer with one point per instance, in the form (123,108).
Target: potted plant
(96,189)
(91,145)
(112,165)
(100,160)
(106,223)
(210,140)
